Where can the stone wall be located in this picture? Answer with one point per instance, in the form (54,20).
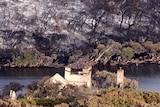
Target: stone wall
(79,79)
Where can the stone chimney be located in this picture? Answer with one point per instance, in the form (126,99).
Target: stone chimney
(13,95)
(120,78)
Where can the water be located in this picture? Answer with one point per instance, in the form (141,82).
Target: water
(147,75)
(25,76)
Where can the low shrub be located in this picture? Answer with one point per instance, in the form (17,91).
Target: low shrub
(150,97)
(29,57)
(107,53)
(117,45)
(25,57)
(42,102)
(25,101)
(19,59)
(136,46)
(153,47)
(128,52)
(48,102)
(117,102)
(100,46)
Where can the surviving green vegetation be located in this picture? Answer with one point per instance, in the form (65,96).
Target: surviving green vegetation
(25,57)
(137,47)
(117,53)
(107,53)
(42,102)
(110,97)
(128,52)
(127,98)
(113,97)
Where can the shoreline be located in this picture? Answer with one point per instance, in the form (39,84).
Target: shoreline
(112,64)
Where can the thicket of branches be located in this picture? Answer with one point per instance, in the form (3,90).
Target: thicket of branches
(136,18)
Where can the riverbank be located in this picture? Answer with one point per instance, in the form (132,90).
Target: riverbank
(114,54)
(147,75)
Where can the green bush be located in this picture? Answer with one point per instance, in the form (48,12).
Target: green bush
(117,102)
(128,52)
(111,89)
(150,97)
(48,102)
(107,53)
(25,57)
(19,59)
(42,102)
(29,57)
(25,101)
(137,46)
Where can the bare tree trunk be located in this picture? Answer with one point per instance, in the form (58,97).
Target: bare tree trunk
(96,60)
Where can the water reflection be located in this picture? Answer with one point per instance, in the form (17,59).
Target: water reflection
(25,76)
(148,75)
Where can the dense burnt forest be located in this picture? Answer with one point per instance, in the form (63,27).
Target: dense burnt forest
(51,32)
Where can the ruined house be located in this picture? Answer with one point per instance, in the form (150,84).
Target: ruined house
(78,73)
(57,78)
